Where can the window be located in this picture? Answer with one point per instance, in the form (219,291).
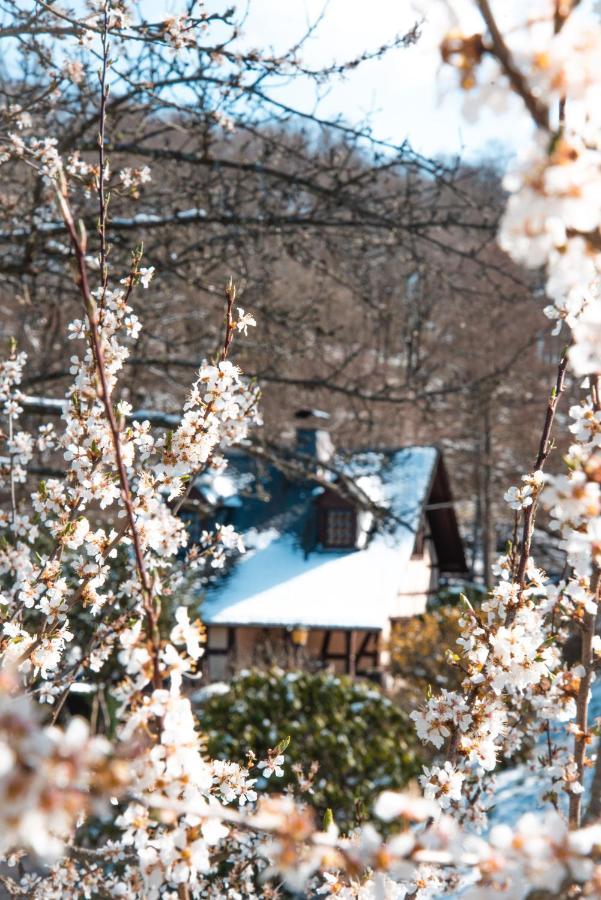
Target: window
(341,528)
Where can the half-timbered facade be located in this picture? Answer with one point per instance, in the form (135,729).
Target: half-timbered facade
(324,576)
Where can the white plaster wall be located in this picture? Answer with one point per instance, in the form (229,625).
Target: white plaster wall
(421,577)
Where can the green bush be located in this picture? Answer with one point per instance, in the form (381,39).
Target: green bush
(362,742)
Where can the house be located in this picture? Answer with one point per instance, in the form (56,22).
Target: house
(334,557)
(340,546)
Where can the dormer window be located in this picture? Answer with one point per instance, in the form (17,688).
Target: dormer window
(340,528)
(337,522)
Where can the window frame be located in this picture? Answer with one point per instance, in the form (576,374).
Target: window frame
(351,528)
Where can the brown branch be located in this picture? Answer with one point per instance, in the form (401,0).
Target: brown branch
(501,52)
(541,457)
(529,519)
(582,735)
(102,199)
(33,404)
(97,349)
(230,296)
(373,220)
(593,812)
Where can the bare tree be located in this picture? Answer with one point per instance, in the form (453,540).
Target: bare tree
(371,268)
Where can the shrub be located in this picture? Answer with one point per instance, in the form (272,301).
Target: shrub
(360,740)
(419,654)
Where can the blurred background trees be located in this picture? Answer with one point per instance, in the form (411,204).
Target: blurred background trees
(371,270)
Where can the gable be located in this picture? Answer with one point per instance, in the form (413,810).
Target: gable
(443,523)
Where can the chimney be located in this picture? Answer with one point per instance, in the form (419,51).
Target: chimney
(311,440)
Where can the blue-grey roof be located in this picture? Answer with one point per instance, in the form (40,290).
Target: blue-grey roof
(277,582)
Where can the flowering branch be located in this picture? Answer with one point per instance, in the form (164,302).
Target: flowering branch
(96,343)
(499,48)
(529,514)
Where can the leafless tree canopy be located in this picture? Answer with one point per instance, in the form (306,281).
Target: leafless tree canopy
(370,268)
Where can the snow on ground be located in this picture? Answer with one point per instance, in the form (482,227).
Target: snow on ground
(520,790)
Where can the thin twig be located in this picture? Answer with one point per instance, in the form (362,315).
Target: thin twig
(544,449)
(502,54)
(230,296)
(102,198)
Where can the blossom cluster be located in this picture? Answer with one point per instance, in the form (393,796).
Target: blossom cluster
(538,853)
(98,546)
(49,776)
(510,652)
(90,562)
(552,213)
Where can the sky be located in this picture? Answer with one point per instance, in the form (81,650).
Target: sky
(407,95)
(401,93)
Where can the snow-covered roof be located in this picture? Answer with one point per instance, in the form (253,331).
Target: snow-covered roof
(277,583)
